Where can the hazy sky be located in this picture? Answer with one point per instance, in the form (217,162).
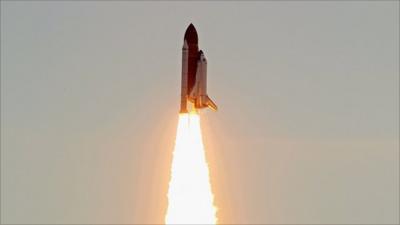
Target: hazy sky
(307,130)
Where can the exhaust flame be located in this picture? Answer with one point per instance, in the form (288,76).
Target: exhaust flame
(190,200)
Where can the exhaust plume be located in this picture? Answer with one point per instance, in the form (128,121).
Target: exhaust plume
(190,199)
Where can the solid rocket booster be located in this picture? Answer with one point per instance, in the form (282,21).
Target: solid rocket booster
(194,74)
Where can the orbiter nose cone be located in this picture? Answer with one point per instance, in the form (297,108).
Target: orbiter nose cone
(191,35)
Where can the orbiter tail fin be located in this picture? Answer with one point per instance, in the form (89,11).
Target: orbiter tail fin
(211,104)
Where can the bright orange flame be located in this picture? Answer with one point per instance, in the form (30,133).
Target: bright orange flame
(190,200)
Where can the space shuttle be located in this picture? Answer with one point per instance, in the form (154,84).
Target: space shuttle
(194,75)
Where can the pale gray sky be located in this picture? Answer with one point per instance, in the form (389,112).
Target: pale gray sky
(307,130)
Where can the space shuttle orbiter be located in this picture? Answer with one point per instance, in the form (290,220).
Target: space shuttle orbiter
(194,74)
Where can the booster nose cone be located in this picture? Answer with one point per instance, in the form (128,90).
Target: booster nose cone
(191,35)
